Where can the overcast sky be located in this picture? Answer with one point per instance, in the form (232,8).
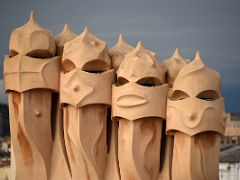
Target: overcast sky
(211,26)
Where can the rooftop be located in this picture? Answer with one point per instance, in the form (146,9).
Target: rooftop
(230,153)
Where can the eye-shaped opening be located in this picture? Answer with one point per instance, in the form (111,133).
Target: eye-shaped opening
(121,81)
(149,81)
(95,66)
(12,53)
(39,54)
(179,95)
(208,95)
(67,66)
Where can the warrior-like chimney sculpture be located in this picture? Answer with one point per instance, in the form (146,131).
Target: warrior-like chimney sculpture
(85,94)
(139,104)
(31,74)
(195,115)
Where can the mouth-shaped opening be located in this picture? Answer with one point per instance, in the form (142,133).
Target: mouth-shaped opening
(179,95)
(208,95)
(130,100)
(149,82)
(67,66)
(39,54)
(96,66)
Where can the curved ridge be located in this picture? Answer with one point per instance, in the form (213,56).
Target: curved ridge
(195,66)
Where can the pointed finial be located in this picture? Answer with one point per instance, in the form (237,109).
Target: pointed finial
(139,45)
(66,27)
(198,55)
(121,39)
(177,53)
(198,58)
(66,33)
(86,30)
(32,17)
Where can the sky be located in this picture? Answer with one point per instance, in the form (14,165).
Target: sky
(212,27)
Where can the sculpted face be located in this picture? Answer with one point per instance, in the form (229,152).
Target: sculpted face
(196,104)
(86,77)
(140,86)
(80,88)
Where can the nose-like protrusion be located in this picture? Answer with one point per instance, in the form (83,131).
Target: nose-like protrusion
(192,116)
(37,113)
(76,88)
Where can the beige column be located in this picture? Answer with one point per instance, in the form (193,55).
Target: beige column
(27,68)
(173,65)
(195,116)
(59,161)
(85,95)
(138,103)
